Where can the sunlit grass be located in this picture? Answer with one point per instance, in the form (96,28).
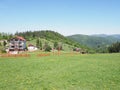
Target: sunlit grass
(61,72)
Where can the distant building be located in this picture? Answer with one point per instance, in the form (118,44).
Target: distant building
(32,47)
(77,49)
(17,44)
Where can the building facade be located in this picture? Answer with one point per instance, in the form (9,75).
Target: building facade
(32,47)
(17,44)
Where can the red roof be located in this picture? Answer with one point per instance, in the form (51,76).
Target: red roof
(21,38)
(30,45)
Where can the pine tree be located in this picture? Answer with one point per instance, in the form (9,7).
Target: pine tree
(37,43)
(40,44)
(4,43)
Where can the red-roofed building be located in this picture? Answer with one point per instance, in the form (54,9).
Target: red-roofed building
(21,38)
(32,47)
(17,44)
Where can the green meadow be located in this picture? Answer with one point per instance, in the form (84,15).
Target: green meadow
(61,72)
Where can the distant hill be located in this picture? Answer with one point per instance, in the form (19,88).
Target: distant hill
(49,36)
(115,36)
(95,41)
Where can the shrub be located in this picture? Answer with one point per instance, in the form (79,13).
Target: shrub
(48,48)
(114,48)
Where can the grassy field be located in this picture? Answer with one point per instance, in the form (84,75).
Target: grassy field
(63,72)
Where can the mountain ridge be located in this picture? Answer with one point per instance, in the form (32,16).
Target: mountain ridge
(96,40)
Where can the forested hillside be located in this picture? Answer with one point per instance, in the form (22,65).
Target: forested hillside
(50,36)
(98,42)
(95,41)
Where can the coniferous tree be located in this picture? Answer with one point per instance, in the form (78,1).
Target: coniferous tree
(4,43)
(40,44)
(37,43)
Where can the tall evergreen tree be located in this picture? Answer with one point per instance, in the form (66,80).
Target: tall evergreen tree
(40,44)
(4,43)
(37,43)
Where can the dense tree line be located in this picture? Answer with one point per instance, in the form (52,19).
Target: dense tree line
(6,36)
(114,48)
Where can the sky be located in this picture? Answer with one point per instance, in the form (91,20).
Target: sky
(67,17)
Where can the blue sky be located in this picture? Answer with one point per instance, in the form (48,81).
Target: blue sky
(64,16)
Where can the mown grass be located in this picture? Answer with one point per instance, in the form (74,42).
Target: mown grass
(61,72)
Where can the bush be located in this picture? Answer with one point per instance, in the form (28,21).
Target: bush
(114,48)
(48,48)
(91,52)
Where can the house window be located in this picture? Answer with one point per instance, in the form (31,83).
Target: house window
(20,46)
(12,46)
(16,39)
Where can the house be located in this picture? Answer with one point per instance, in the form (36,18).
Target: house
(17,44)
(32,47)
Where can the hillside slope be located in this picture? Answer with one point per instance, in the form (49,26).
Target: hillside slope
(49,36)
